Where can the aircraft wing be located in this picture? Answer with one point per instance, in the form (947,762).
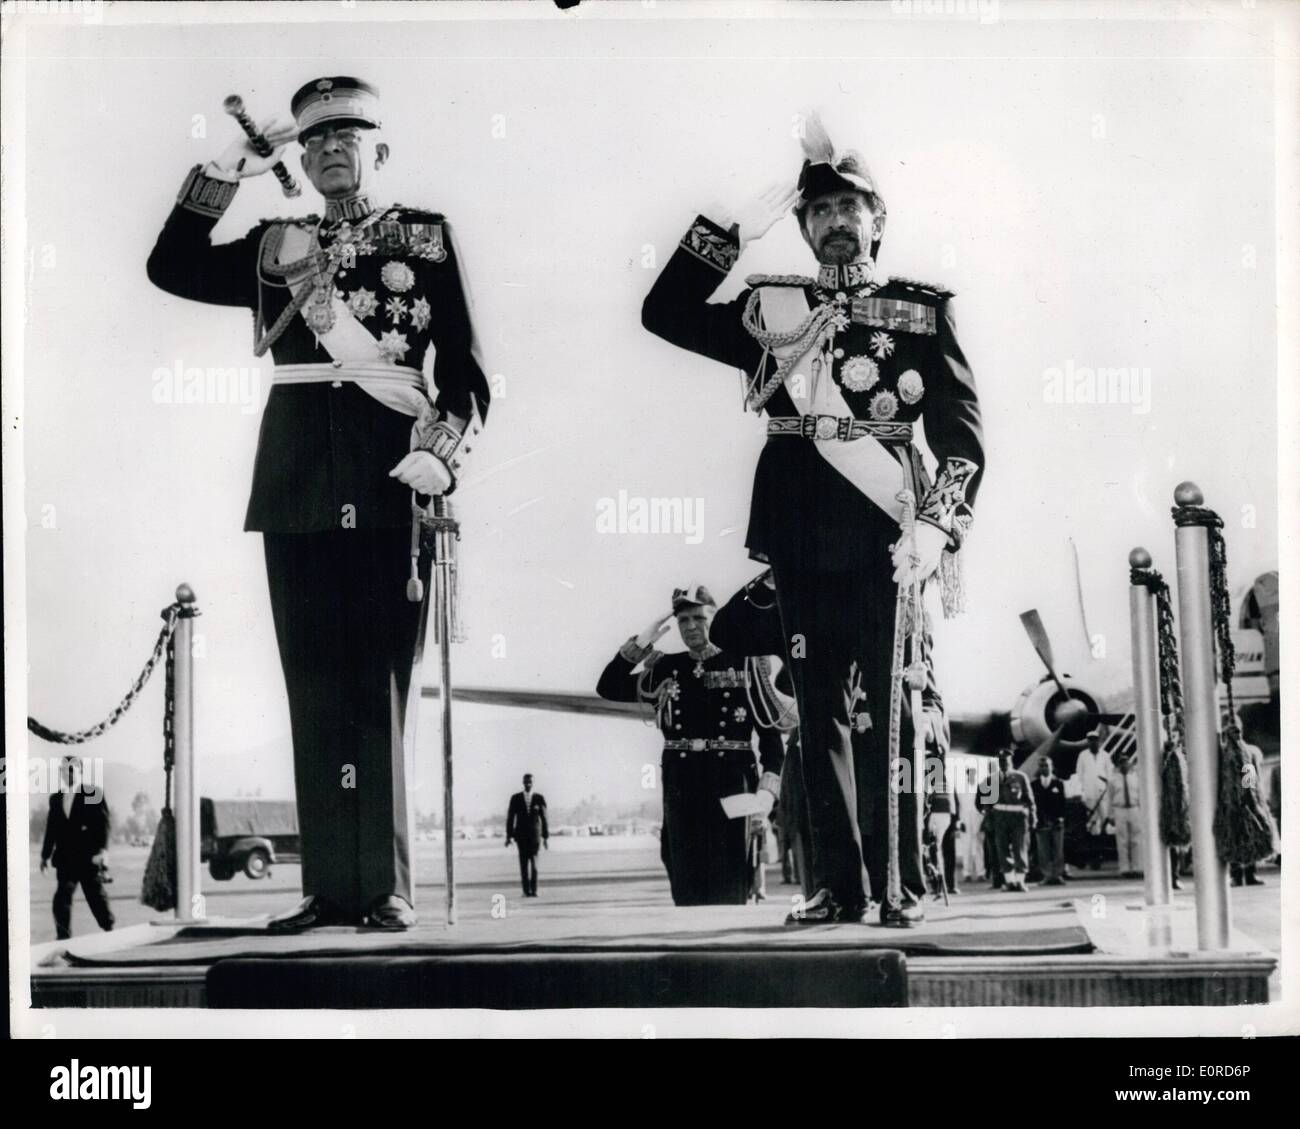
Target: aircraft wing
(974,733)
(557,701)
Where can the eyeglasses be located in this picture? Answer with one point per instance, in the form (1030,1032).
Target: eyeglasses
(345,136)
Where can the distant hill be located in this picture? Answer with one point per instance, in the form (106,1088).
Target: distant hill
(265,771)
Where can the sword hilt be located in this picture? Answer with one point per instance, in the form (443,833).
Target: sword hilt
(234,106)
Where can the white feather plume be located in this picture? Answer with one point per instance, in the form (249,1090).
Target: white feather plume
(815,140)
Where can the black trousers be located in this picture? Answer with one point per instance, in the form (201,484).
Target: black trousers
(350,648)
(705,853)
(840,631)
(528,867)
(91,882)
(949,849)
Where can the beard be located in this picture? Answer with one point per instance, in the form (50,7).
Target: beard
(838,247)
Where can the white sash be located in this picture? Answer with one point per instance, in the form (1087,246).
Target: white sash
(868,465)
(349,341)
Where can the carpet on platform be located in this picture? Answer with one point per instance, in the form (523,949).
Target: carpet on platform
(204,946)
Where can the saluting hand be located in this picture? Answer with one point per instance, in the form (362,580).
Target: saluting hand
(423,472)
(241,160)
(756,218)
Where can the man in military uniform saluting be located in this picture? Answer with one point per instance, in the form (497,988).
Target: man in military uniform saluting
(703,700)
(845,365)
(348,305)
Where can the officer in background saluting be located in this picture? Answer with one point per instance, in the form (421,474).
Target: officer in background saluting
(706,705)
(844,364)
(348,304)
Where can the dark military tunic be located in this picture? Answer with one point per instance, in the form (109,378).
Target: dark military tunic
(708,725)
(336,527)
(895,360)
(324,447)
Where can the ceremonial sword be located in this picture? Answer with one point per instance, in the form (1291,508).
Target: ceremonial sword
(440,525)
(234,106)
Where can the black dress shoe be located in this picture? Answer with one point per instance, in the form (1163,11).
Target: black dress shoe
(313,912)
(1253,881)
(906,916)
(820,909)
(391,912)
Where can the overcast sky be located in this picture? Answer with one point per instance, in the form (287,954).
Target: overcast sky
(1098,193)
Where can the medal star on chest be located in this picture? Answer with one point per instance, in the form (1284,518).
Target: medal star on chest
(362,303)
(393,346)
(397,276)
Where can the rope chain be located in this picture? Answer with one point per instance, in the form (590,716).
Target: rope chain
(1171,681)
(170,615)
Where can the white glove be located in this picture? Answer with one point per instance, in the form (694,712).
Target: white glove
(652,633)
(930,543)
(632,651)
(240,160)
(755,218)
(423,472)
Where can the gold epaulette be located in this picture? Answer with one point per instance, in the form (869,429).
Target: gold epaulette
(780,280)
(925,288)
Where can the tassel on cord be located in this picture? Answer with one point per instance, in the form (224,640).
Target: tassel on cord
(1244,831)
(1175,809)
(158,889)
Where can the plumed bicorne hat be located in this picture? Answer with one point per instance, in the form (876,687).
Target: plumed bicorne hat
(338,99)
(824,171)
(686,598)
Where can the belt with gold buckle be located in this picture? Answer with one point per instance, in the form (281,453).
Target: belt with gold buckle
(842,428)
(704,744)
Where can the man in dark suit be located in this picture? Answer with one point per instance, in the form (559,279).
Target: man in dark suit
(350,305)
(76,841)
(1049,803)
(845,364)
(526,827)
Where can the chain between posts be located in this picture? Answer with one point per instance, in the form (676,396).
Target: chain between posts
(170,615)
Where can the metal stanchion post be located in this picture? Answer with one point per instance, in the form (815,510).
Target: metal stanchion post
(1146,708)
(189,900)
(1196,644)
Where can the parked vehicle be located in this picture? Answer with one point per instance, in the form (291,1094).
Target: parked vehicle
(247,835)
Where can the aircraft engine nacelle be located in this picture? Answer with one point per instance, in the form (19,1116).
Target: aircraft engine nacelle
(1042,707)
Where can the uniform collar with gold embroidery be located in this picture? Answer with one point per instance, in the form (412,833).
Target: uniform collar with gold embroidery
(845,276)
(350,208)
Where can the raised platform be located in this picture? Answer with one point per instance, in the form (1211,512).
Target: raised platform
(978,952)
